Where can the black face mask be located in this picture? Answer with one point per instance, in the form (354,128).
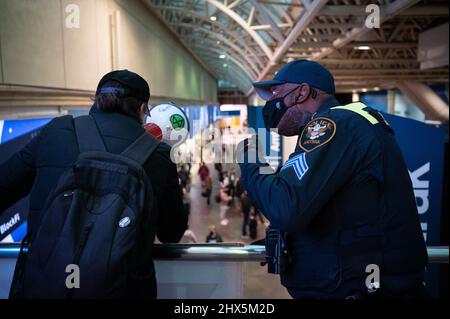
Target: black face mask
(274,110)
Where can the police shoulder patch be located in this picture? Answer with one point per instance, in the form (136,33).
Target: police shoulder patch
(316,133)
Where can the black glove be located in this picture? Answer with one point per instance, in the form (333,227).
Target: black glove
(249,151)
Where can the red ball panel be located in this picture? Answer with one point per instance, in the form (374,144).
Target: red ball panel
(155,130)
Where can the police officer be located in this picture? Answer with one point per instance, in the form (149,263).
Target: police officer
(343,201)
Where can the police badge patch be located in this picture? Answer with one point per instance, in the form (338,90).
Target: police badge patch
(316,133)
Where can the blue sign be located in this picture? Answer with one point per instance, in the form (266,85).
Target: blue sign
(14,135)
(11,129)
(423,146)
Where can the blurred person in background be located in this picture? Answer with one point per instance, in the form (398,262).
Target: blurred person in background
(246,207)
(224,205)
(213,236)
(207,185)
(203,171)
(188,237)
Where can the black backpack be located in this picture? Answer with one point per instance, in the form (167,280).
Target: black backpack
(99,220)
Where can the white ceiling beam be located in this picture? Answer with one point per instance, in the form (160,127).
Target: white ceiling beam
(266,18)
(300,26)
(251,16)
(238,19)
(264,27)
(233,4)
(425,98)
(279,3)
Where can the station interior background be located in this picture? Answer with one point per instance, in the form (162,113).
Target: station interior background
(203,55)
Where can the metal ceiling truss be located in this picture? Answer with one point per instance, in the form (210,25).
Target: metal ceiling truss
(218,27)
(220,42)
(229,63)
(258,36)
(217,53)
(228,74)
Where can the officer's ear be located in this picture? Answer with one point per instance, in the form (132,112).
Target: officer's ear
(142,108)
(302,93)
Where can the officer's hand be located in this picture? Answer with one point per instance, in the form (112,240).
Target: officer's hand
(249,151)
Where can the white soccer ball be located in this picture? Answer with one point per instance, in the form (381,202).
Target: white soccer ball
(168,123)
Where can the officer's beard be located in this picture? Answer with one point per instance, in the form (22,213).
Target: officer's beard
(292,121)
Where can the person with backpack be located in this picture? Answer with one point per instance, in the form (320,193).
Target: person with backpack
(100,189)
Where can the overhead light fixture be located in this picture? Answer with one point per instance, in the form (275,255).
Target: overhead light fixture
(213,18)
(222,56)
(376,88)
(364,90)
(225,65)
(362,47)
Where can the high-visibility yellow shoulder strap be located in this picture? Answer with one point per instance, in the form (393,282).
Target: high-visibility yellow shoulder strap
(358,107)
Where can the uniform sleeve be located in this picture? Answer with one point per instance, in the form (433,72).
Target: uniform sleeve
(307,181)
(17,174)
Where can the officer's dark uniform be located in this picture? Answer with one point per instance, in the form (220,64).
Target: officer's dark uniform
(345,200)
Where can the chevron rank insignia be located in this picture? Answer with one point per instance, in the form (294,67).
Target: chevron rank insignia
(298,163)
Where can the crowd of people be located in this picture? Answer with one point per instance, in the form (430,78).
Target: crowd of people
(230,196)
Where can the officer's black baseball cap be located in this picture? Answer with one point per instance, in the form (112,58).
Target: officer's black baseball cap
(135,85)
(299,71)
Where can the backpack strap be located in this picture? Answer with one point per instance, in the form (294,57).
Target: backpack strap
(141,149)
(88,136)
